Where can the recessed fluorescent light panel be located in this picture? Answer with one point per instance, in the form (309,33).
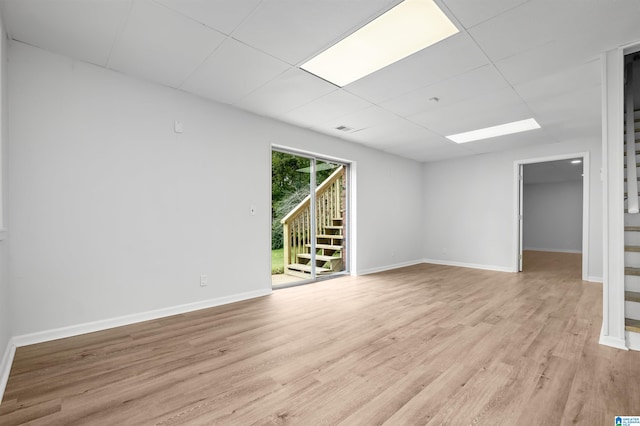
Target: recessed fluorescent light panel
(492,132)
(407,28)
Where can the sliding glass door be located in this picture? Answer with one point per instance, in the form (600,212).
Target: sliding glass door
(308,232)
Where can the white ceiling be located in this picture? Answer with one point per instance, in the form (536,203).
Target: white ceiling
(513,59)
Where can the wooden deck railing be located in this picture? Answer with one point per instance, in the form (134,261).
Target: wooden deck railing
(296,225)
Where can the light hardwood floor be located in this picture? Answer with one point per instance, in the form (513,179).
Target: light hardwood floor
(425,344)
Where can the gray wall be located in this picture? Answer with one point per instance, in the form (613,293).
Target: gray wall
(469,206)
(114,214)
(5,296)
(553,216)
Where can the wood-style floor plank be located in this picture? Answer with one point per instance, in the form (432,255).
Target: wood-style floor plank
(426,344)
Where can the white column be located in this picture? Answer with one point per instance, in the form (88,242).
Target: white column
(613,333)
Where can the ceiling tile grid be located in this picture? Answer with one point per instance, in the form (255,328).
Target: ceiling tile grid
(82,30)
(161,45)
(242,68)
(286,92)
(512,59)
(294,30)
(221,15)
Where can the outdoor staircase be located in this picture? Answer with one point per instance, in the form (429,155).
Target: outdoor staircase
(632,239)
(328,225)
(329,250)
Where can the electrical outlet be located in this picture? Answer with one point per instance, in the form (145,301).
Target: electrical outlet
(203,280)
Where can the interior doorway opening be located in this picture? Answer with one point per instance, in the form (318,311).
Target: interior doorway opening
(310,212)
(552,201)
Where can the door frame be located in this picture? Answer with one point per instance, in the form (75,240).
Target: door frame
(348,231)
(517,205)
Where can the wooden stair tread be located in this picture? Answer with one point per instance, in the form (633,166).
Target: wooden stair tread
(632,228)
(632,325)
(326,246)
(338,237)
(632,248)
(319,257)
(631,271)
(307,268)
(334,227)
(632,296)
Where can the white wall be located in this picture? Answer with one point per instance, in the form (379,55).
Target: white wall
(553,216)
(112,213)
(5,304)
(468,206)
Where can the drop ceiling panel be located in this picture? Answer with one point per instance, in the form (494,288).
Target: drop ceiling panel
(605,25)
(295,30)
(161,45)
(477,82)
(451,57)
(286,92)
(223,15)
(566,81)
(595,27)
(233,71)
(396,131)
(508,142)
(571,115)
(528,26)
(582,103)
(471,13)
(501,107)
(329,107)
(84,30)
(358,120)
(545,60)
(548,51)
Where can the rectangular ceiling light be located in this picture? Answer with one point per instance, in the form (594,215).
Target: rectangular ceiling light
(407,28)
(492,132)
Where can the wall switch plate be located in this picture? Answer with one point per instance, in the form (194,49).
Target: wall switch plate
(203,280)
(178,126)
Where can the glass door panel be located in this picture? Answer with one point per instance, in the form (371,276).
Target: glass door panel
(291,219)
(308,232)
(330,218)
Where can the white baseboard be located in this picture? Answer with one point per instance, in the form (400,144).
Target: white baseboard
(614,342)
(552,250)
(469,265)
(5,366)
(633,340)
(90,327)
(595,279)
(389,267)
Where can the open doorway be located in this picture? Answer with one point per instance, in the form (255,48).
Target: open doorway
(310,206)
(552,214)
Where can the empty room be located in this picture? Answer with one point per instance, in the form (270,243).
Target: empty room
(310,212)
